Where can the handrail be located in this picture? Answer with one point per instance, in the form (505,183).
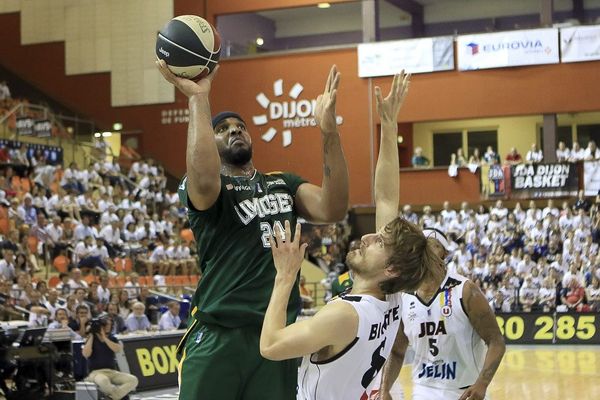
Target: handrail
(11,112)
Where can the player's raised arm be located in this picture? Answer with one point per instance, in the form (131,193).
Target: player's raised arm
(329,202)
(387,178)
(484,322)
(334,324)
(203,164)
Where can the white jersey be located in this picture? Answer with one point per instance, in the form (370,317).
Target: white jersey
(354,373)
(449,353)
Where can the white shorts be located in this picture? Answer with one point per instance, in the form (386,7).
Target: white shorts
(421,392)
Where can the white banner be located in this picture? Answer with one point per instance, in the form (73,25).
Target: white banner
(413,55)
(580,43)
(591,177)
(508,49)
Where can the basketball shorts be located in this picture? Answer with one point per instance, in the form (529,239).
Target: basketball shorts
(421,392)
(225,364)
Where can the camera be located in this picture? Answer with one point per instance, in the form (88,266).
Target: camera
(95,325)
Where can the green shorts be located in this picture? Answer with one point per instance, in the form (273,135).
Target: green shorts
(218,363)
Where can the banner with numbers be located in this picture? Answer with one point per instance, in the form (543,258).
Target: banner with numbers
(550,328)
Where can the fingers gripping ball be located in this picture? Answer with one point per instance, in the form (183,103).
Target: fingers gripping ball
(190,46)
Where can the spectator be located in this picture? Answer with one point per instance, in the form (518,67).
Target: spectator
(61,321)
(137,320)
(76,281)
(534,155)
(461,161)
(132,286)
(577,153)
(572,296)
(79,323)
(547,295)
(123,303)
(593,294)
(52,303)
(491,157)
(582,203)
(170,319)
(528,295)
(409,215)
(7,265)
(4,91)
(100,349)
(306,294)
(118,323)
(562,152)
(591,152)
(418,159)
(513,157)
(475,159)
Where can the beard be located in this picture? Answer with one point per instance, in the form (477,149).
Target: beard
(353,259)
(238,156)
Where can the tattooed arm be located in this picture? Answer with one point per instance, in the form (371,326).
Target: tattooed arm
(329,202)
(484,322)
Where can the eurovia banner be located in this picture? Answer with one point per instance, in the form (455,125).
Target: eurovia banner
(153,360)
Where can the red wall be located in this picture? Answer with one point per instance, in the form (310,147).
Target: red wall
(435,96)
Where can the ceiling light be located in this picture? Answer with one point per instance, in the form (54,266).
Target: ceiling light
(260,41)
(323,5)
(97,134)
(117,126)
(106,134)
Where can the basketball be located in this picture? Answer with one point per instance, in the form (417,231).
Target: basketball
(190,46)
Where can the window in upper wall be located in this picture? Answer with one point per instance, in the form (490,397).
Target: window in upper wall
(563,134)
(585,133)
(481,140)
(290,29)
(444,144)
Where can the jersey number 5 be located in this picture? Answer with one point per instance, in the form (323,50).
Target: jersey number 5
(433,349)
(267,232)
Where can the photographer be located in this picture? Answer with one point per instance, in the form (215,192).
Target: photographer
(100,348)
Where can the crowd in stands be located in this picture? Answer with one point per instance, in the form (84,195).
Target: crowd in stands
(105,236)
(534,156)
(541,259)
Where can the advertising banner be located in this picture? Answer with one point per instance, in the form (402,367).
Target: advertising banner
(508,49)
(25,126)
(153,360)
(544,180)
(591,178)
(550,328)
(413,55)
(42,128)
(580,43)
(493,181)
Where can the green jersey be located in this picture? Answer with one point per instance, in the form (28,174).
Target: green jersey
(233,247)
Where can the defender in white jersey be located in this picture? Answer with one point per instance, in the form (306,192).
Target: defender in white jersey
(447,323)
(347,342)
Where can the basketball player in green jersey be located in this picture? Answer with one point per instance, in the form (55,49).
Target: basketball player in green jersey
(233,210)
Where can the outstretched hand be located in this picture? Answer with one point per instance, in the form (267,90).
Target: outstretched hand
(389,107)
(187,86)
(288,253)
(325,107)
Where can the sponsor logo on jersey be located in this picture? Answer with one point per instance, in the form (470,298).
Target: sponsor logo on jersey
(446,303)
(438,370)
(275,182)
(271,204)
(432,329)
(446,311)
(377,330)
